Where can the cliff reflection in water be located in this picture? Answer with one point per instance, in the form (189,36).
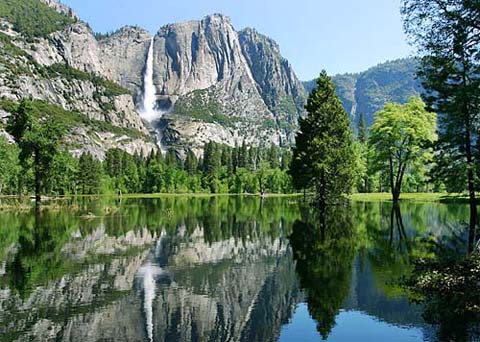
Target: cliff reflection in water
(208,269)
(175,269)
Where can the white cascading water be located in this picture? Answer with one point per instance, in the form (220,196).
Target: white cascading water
(149,297)
(149,112)
(149,271)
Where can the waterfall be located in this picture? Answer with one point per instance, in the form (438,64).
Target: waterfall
(148,273)
(149,291)
(148,111)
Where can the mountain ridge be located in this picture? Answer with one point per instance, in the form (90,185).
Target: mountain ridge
(367,92)
(212,82)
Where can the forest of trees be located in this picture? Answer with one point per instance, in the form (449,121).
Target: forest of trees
(37,164)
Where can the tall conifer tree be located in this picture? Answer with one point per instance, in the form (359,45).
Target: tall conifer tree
(447,33)
(323,155)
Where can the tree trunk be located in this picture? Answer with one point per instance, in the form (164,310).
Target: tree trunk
(393,185)
(38,179)
(392,213)
(470,170)
(471,195)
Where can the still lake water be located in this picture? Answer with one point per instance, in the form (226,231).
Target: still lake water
(215,269)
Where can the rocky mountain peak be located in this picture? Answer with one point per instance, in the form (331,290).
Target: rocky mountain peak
(254,35)
(197,55)
(129,31)
(276,81)
(61,8)
(211,82)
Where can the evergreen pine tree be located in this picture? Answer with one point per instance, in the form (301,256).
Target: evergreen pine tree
(89,174)
(273,158)
(190,163)
(362,129)
(447,35)
(323,154)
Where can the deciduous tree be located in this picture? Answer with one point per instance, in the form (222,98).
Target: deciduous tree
(402,136)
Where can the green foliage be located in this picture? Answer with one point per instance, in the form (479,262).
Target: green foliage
(323,155)
(9,168)
(449,70)
(324,250)
(362,129)
(69,119)
(38,139)
(89,174)
(447,35)
(33,18)
(203,105)
(403,136)
(62,176)
(221,170)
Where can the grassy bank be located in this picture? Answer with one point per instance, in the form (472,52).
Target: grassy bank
(25,203)
(414,197)
(21,203)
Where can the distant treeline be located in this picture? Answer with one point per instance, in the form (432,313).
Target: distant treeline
(221,169)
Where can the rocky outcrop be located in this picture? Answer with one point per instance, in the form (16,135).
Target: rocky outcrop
(199,55)
(206,73)
(212,82)
(61,8)
(276,81)
(78,48)
(123,55)
(65,70)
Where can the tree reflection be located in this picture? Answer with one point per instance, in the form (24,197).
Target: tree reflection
(324,248)
(35,245)
(448,289)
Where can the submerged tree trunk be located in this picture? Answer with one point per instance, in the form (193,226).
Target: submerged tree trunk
(393,184)
(38,179)
(471,193)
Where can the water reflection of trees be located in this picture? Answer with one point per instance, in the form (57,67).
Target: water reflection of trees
(34,245)
(428,248)
(387,243)
(79,240)
(324,249)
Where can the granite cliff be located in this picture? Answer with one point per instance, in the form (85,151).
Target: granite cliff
(209,81)
(212,83)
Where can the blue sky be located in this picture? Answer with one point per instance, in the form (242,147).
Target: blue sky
(336,35)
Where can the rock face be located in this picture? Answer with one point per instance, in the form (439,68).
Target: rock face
(123,57)
(212,82)
(276,81)
(205,72)
(59,7)
(64,70)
